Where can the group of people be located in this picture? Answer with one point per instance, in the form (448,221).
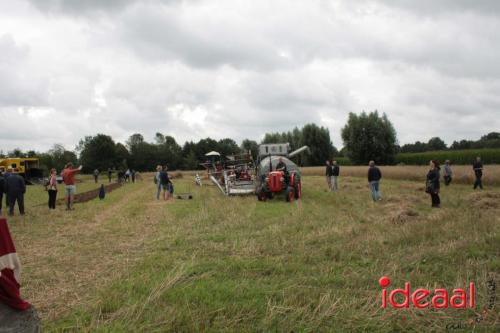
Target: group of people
(68,178)
(164,186)
(128,176)
(332,173)
(432,186)
(13,185)
(433,183)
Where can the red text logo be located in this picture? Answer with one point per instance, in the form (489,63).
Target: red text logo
(422,298)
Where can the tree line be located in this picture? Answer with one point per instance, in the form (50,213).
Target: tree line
(102,152)
(366,136)
(490,140)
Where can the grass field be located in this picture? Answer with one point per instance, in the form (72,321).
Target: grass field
(211,264)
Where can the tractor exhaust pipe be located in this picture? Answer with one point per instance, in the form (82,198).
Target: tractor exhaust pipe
(298,151)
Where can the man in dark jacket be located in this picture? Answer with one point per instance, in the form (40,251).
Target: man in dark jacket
(15,187)
(110,174)
(328,174)
(335,176)
(432,183)
(374,176)
(2,190)
(281,166)
(6,175)
(478,171)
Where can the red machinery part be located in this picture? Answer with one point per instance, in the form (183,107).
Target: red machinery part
(275,181)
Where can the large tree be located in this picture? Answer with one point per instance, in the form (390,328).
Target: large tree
(311,135)
(143,155)
(97,152)
(250,146)
(57,157)
(319,143)
(169,152)
(368,136)
(436,143)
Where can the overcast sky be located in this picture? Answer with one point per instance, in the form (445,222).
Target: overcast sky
(231,68)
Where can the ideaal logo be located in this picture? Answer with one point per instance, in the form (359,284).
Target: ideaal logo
(440,298)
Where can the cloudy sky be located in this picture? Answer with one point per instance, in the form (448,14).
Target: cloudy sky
(231,68)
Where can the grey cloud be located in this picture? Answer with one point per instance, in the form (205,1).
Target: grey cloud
(432,7)
(80,7)
(240,69)
(20,86)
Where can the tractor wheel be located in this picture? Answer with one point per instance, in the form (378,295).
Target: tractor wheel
(290,194)
(298,191)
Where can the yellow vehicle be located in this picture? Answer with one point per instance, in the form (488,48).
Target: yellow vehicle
(29,168)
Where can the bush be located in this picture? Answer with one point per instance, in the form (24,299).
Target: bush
(488,156)
(343,160)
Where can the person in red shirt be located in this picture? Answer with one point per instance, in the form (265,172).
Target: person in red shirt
(68,175)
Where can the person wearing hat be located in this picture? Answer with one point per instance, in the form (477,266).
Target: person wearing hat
(15,187)
(68,175)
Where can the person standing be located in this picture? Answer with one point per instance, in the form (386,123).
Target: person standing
(110,174)
(96,175)
(374,176)
(478,172)
(52,188)
(5,176)
(132,175)
(432,183)
(165,183)
(157,181)
(328,175)
(448,173)
(15,187)
(335,176)
(68,175)
(2,190)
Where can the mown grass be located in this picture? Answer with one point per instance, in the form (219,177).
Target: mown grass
(215,264)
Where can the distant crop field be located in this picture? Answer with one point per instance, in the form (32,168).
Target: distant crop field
(463,174)
(464,157)
(130,263)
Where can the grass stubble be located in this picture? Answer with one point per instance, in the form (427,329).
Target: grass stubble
(130,264)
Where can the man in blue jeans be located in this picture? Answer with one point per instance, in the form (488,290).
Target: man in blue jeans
(374,176)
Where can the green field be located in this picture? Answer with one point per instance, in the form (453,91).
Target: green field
(459,157)
(216,264)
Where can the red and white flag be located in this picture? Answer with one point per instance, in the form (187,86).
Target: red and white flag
(10,271)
